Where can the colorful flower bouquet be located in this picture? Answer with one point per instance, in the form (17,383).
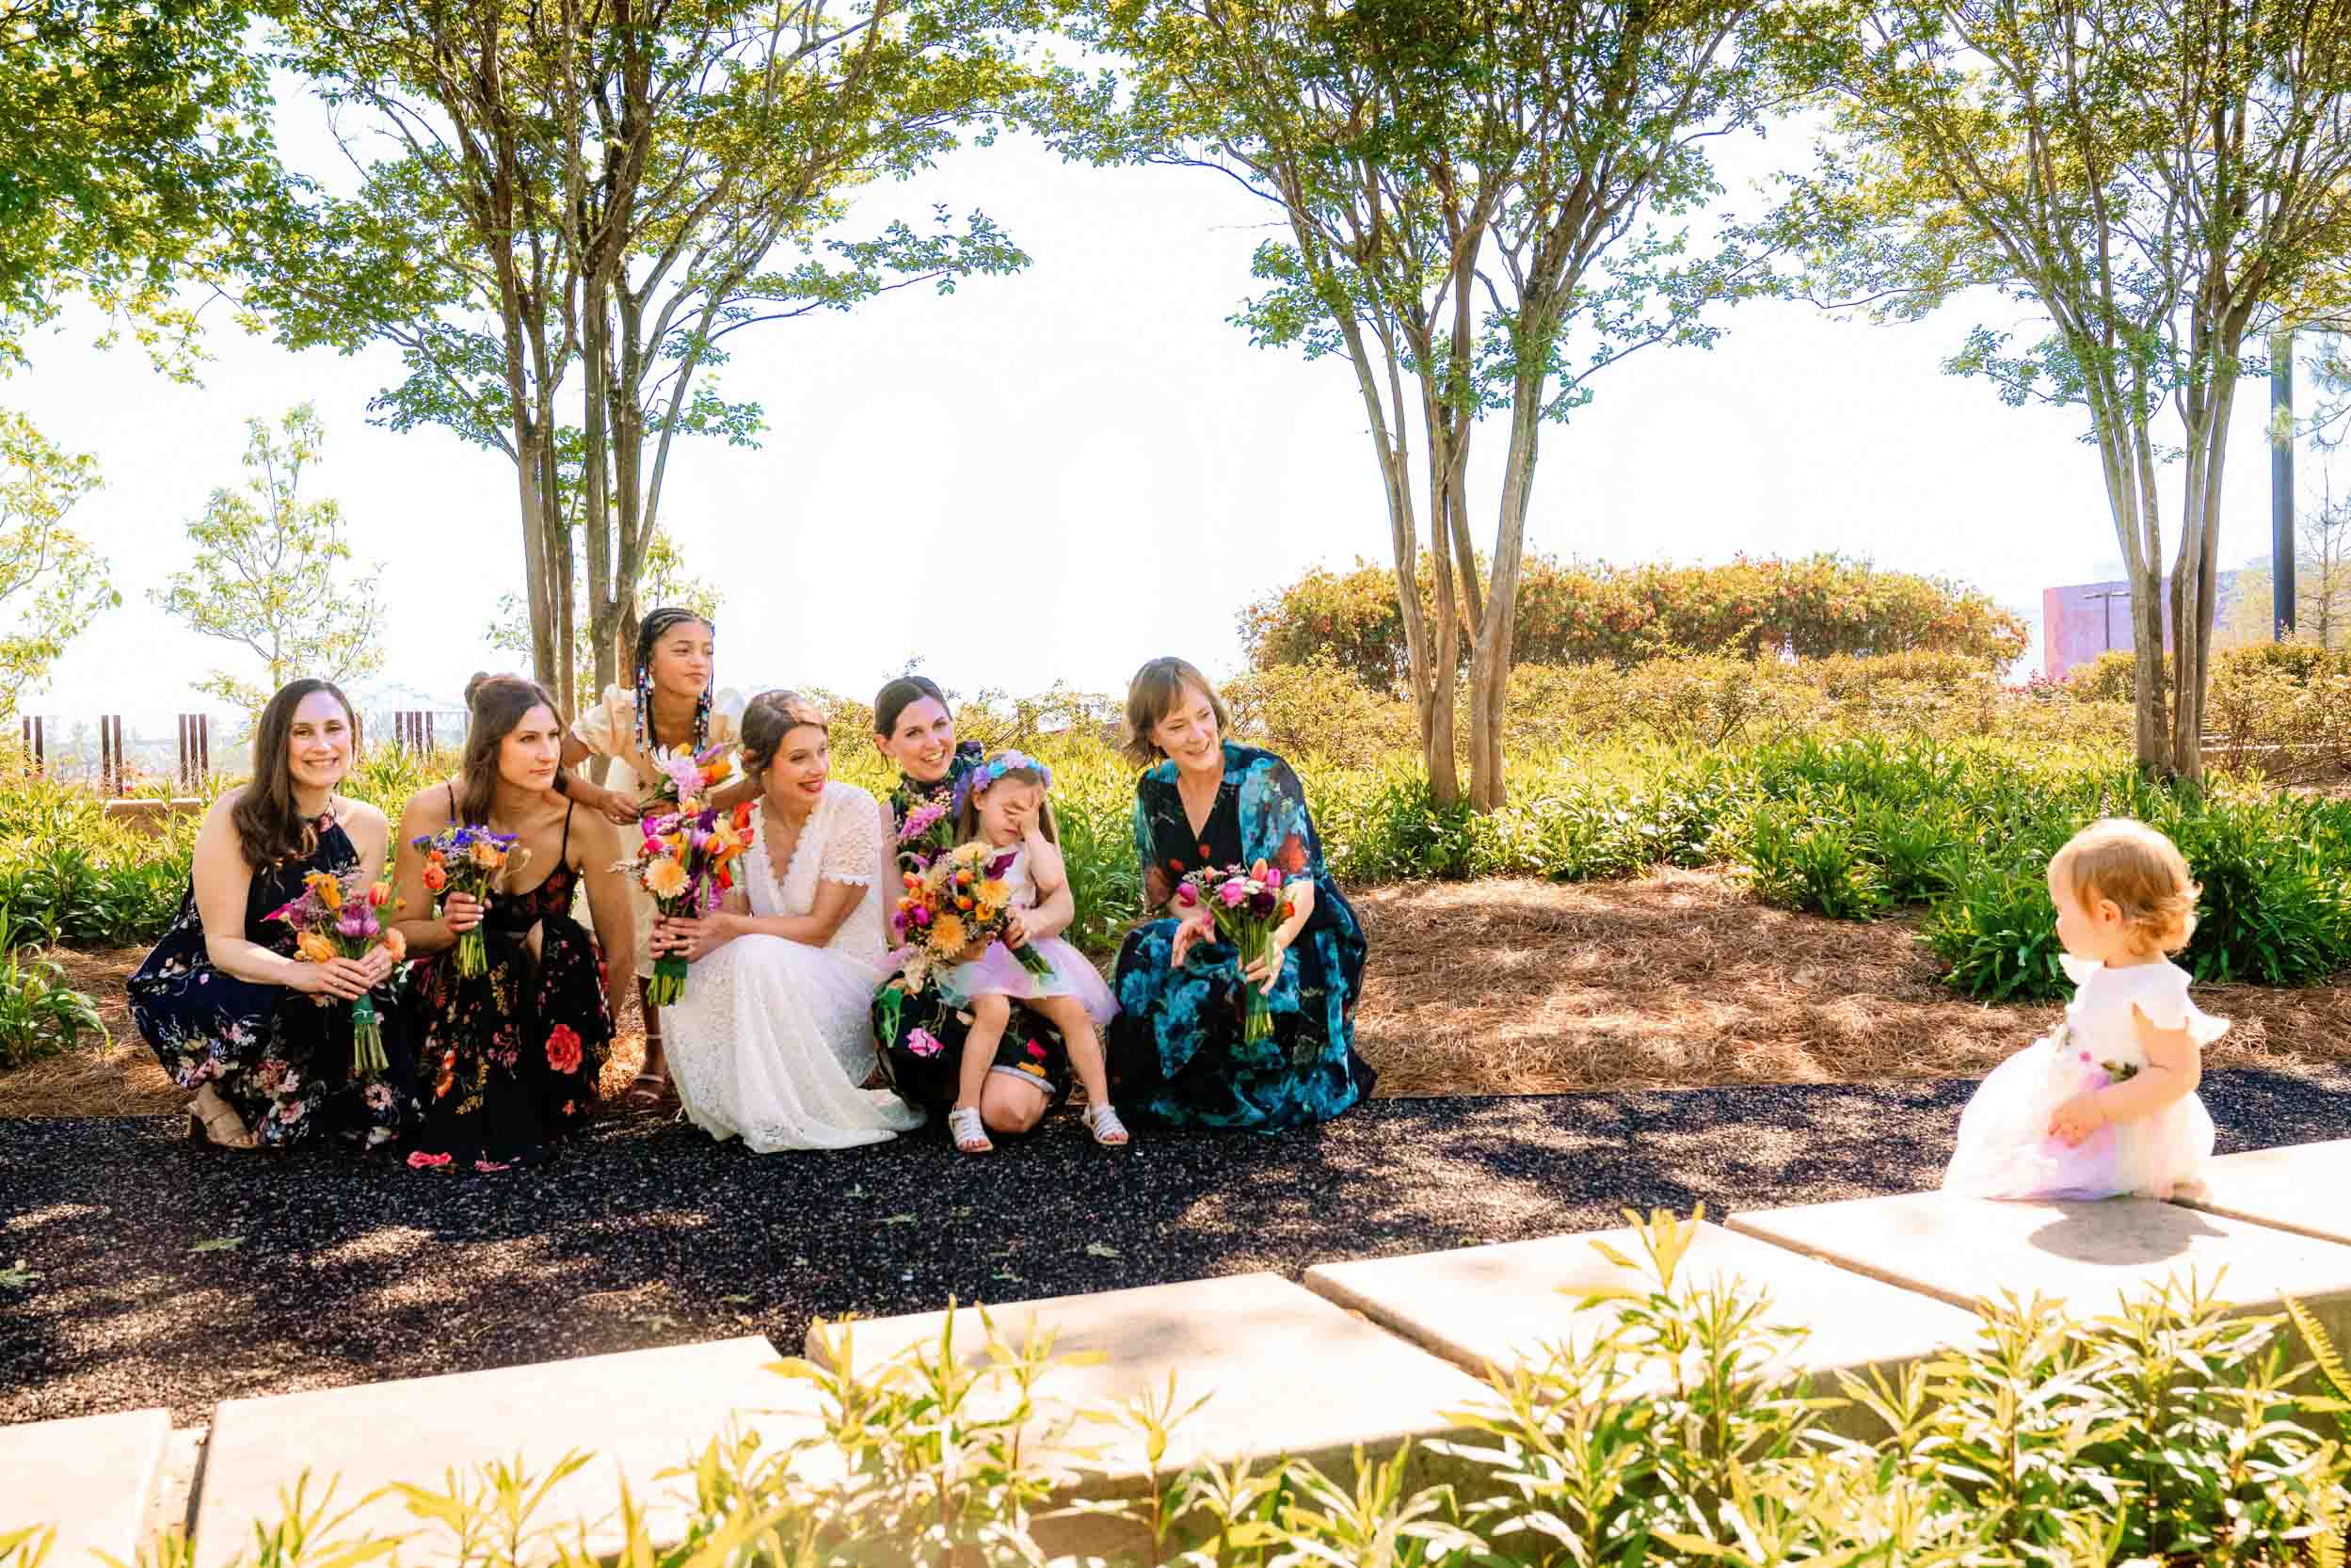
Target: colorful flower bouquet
(926,832)
(469,859)
(1246,905)
(960,898)
(335,917)
(685,864)
(687,778)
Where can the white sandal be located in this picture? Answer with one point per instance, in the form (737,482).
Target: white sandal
(969,1132)
(1102,1121)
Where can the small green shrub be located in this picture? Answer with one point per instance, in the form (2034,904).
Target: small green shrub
(41,1014)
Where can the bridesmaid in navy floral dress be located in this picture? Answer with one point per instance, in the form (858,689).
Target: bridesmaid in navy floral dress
(508,1059)
(263,1038)
(921,1036)
(1176,1048)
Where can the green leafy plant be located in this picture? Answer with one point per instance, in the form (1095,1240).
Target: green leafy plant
(41,1014)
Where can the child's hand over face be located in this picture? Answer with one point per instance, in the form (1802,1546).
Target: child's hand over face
(2076,1119)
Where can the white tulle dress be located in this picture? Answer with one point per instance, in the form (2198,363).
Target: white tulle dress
(772,1038)
(2004,1150)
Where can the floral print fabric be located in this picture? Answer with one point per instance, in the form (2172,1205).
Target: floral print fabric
(509,1059)
(1176,1050)
(282,1060)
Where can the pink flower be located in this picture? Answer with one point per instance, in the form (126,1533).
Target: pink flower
(1272,878)
(489,1165)
(922,1042)
(420,1160)
(1036,1051)
(563,1049)
(1233,893)
(1186,895)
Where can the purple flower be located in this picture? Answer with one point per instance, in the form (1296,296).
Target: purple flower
(1273,876)
(353,922)
(1000,865)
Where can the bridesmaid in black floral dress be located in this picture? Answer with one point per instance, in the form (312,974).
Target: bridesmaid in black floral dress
(261,1037)
(508,1059)
(920,1037)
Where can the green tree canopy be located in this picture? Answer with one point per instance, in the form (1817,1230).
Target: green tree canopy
(274,576)
(52,583)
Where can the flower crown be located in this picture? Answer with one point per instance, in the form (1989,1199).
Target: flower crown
(978,780)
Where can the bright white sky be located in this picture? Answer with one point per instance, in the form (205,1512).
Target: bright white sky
(1059,476)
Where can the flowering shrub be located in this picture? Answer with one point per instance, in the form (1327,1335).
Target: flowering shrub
(1817,607)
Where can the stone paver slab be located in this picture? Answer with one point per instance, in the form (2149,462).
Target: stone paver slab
(2089,1255)
(639,1413)
(1286,1372)
(2301,1187)
(1505,1304)
(91,1476)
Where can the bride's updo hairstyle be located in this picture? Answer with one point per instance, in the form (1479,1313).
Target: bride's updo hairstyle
(767,719)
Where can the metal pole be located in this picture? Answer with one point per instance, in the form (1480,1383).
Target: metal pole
(2282,594)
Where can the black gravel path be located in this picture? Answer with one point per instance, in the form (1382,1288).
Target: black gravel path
(645,1232)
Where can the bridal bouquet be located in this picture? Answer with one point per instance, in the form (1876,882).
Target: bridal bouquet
(926,832)
(959,898)
(685,863)
(1246,905)
(469,859)
(687,778)
(336,917)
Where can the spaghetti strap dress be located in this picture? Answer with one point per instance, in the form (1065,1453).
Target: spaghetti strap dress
(508,1059)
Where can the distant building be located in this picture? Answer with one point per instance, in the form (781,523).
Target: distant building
(2085,619)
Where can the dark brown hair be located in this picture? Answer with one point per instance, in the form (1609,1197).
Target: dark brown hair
(497,703)
(892,700)
(767,718)
(270,828)
(1153,694)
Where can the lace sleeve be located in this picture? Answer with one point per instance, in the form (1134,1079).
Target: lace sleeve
(852,839)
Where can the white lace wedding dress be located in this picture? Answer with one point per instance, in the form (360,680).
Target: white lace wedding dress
(773,1036)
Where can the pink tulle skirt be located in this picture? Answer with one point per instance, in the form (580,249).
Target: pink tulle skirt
(2004,1150)
(996,972)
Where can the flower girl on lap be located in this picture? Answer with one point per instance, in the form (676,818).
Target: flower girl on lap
(1002,803)
(2106,1106)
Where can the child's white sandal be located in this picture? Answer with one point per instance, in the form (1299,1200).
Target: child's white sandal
(1102,1121)
(969,1133)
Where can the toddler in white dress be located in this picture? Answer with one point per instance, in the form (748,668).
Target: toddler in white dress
(2106,1105)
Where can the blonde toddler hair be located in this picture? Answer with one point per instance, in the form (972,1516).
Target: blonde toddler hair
(2141,871)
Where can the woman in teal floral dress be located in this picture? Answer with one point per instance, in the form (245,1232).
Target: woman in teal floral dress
(1177,1055)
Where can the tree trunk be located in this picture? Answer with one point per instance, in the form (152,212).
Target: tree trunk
(1490,660)
(2194,584)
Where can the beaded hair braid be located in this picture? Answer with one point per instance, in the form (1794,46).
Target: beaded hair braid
(649,631)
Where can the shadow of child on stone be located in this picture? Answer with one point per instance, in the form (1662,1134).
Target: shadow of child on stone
(2121,1231)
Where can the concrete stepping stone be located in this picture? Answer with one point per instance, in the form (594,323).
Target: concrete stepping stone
(1287,1373)
(639,1413)
(2089,1255)
(1504,1305)
(90,1476)
(2299,1187)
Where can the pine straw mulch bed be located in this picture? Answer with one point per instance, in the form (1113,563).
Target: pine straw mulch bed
(1515,988)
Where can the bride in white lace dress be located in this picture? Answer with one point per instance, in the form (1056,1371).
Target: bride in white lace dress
(773,1038)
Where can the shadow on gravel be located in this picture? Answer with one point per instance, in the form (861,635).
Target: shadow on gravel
(165,1276)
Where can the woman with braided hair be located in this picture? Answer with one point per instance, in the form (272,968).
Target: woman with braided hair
(669,705)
